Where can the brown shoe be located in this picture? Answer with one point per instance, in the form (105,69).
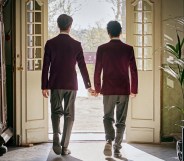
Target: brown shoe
(108,148)
(65,151)
(56,144)
(117,153)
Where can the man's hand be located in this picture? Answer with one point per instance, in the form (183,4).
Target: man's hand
(95,94)
(91,91)
(132,95)
(45,93)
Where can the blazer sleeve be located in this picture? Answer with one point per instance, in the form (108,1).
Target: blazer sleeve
(98,71)
(83,68)
(46,65)
(134,73)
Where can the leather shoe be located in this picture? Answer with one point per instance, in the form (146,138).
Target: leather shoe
(65,151)
(108,148)
(117,153)
(56,144)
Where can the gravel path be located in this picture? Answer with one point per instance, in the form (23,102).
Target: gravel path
(88,115)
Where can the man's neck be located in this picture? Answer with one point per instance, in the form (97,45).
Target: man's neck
(115,38)
(63,32)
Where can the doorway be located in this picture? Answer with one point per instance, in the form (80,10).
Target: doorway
(89,27)
(142,19)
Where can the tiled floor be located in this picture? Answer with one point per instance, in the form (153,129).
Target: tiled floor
(93,151)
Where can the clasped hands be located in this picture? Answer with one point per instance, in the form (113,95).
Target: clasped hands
(93,92)
(90,90)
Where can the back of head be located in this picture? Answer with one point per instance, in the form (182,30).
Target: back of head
(64,22)
(114,28)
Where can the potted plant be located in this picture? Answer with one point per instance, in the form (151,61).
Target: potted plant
(175,68)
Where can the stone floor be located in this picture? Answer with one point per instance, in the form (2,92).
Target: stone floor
(92,151)
(86,146)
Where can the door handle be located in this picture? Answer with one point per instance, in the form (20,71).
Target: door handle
(20,68)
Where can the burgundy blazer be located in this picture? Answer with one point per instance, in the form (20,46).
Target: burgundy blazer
(115,59)
(60,58)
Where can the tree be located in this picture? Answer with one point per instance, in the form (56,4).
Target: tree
(119,9)
(92,37)
(57,7)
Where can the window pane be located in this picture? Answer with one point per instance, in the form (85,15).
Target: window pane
(138,7)
(37,16)
(30,40)
(30,5)
(30,53)
(147,40)
(30,29)
(148,28)
(146,6)
(30,65)
(148,64)
(37,64)
(138,40)
(138,28)
(148,52)
(138,52)
(139,64)
(138,17)
(38,29)
(38,5)
(30,17)
(147,17)
(37,40)
(38,53)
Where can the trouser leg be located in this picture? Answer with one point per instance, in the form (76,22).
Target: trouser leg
(121,114)
(56,109)
(108,119)
(56,113)
(69,114)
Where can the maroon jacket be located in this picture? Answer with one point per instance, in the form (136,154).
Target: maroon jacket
(60,58)
(115,59)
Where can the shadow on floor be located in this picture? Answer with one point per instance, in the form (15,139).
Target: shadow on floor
(113,159)
(165,151)
(53,157)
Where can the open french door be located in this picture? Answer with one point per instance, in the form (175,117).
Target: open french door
(144,33)
(31,107)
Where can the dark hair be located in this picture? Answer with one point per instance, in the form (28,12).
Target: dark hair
(114,28)
(64,21)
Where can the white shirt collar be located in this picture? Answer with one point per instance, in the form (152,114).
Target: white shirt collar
(115,38)
(66,33)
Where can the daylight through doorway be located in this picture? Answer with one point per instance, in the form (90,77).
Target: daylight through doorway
(89,27)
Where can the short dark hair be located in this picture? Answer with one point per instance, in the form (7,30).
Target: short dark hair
(64,21)
(114,28)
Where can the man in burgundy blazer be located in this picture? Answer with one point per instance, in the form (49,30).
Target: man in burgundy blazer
(59,74)
(115,59)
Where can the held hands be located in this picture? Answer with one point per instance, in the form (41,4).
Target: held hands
(92,92)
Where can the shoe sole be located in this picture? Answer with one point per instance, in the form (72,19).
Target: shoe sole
(108,150)
(66,153)
(57,150)
(117,155)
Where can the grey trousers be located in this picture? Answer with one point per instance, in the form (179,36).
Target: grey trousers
(60,98)
(121,104)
